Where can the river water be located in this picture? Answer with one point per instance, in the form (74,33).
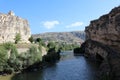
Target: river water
(69,67)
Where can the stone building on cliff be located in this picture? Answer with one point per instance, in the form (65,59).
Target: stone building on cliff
(10,25)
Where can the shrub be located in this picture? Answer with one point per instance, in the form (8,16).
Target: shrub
(3,58)
(51,45)
(13,50)
(34,55)
(31,39)
(38,40)
(10,61)
(17,38)
(52,56)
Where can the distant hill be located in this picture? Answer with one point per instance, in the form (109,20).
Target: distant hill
(68,37)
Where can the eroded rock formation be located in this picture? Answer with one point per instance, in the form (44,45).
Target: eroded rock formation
(106,29)
(10,25)
(103,42)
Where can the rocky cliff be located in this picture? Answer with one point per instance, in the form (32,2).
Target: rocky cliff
(103,43)
(106,29)
(10,25)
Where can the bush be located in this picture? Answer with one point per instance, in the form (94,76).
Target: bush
(12,50)
(38,40)
(3,58)
(52,56)
(17,38)
(51,45)
(31,39)
(10,61)
(33,55)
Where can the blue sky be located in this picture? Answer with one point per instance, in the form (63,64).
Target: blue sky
(58,15)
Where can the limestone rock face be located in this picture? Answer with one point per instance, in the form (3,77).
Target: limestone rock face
(103,43)
(10,25)
(106,29)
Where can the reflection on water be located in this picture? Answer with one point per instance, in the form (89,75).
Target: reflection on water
(68,68)
(66,55)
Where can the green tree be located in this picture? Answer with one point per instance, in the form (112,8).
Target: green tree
(38,40)
(31,39)
(12,49)
(34,55)
(51,45)
(3,58)
(17,38)
(12,58)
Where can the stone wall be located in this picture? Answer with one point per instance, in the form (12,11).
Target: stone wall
(10,25)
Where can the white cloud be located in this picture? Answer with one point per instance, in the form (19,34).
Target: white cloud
(75,24)
(50,24)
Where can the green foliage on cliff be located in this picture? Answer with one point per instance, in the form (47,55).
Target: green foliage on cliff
(17,38)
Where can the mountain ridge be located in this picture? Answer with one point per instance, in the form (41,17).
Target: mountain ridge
(68,37)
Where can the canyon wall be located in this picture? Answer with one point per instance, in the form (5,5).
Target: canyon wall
(106,29)
(103,43)
(10,25)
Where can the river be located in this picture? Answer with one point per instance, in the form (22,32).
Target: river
(69,67)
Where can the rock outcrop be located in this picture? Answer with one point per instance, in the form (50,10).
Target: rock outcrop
(107,56)
(10,25)
(103,43)
(106,29)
